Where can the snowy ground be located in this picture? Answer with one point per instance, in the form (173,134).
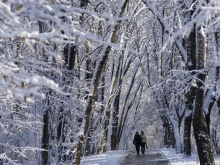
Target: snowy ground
(117,157)
(180,159)
(109,158)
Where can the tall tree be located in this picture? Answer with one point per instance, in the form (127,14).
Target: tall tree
(190,66)
(199,121)
(95,82)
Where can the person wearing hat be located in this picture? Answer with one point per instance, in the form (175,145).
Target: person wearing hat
(137,142)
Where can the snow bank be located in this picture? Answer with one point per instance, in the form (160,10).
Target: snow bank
(109,158)
(181,159)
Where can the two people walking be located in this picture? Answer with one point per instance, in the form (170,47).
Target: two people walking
(140,140)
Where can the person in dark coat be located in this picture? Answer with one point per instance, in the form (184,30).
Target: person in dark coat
(137,142)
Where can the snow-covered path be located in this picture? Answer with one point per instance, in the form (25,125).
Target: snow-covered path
(151,157)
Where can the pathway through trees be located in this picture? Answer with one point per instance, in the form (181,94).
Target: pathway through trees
(151,157)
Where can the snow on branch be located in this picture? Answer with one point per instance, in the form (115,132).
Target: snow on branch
(166,27)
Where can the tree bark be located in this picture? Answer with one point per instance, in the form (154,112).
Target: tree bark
(187,135)
(199,122)
(45,136)
(190,97)
(200,129)
(115,121)
(61,136)
(113,92)
(168,133)
(217,74)
(45,159)
(115,113)
(190,94)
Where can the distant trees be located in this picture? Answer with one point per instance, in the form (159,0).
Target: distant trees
(192,36)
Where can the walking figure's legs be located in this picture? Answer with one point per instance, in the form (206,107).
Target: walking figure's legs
(143,148)
(137,148)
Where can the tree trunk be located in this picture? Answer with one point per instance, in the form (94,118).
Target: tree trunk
(190,94)
(111,99)
(176,133)
(61,136)
(187,135)
(88,77)
(105,132)
(96,76)
(115,121)
(199,122)
(208,121)
(190,97)
(102,99)
(116,103)
(168,133)
(200,129)
(45,160)
(70,52)
(88,111)
(45,138)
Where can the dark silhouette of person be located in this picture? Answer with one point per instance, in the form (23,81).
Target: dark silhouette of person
(137,142)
